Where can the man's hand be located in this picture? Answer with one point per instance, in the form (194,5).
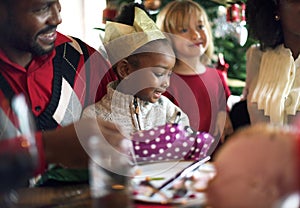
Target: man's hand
(68,146)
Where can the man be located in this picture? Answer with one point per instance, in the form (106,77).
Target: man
(59,76)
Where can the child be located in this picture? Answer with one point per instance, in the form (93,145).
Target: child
(143,60)
(196,88)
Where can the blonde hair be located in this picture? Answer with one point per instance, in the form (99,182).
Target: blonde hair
(178,13)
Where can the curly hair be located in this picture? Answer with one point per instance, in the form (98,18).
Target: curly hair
(126,15)
(261,21)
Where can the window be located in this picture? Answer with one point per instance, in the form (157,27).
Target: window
(80,17)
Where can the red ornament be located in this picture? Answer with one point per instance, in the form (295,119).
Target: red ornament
(243,11)
(236,12)
(222,66)
(108,14)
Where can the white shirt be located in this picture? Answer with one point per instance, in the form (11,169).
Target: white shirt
(272,84)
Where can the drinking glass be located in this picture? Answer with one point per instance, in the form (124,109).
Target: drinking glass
(109,175)
(18,152)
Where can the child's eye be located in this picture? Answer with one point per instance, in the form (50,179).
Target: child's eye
(201,27)
(183,30)
(158,74)
(161,73)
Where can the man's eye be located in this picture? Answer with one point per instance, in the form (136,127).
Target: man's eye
(42,9)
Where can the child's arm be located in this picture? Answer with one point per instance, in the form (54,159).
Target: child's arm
(223,126)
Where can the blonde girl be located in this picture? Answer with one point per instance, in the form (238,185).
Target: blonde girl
(174,16)
(199,90)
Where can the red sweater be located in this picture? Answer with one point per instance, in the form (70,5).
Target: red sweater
(55,82)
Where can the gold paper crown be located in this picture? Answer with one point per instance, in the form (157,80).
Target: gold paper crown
(121,40)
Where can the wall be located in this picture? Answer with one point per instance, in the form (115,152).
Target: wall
(80,17)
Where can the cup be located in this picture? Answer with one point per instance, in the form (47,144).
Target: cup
(109,175)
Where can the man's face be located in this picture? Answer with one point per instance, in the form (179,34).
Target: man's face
(289,13)
(30,26)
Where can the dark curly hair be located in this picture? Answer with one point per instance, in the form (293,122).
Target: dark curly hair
(262,24)
(126,15)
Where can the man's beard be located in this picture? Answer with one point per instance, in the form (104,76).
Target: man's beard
(37,50)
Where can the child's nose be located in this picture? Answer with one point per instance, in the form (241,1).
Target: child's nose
(165,83)
(195,34)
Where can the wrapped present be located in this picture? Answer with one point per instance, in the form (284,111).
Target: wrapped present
(171,142)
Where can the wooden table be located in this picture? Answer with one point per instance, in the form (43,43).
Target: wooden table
(77,196)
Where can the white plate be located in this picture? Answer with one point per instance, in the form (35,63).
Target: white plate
(158,173)
(198,199)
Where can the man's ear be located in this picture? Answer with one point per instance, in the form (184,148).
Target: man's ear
(122,68)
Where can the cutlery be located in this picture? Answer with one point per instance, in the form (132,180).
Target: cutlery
(186,173)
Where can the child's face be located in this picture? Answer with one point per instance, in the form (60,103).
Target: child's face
(150,79)
(192,38)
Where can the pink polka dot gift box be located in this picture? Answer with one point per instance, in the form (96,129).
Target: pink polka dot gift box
(171,142)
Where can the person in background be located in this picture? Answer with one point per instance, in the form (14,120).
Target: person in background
(59,75)
(199,90)
(152,7)
(272,82)
(143,60)
(259,166)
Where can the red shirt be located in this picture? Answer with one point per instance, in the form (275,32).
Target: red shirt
(298,161)
(25,80)
(200,97)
